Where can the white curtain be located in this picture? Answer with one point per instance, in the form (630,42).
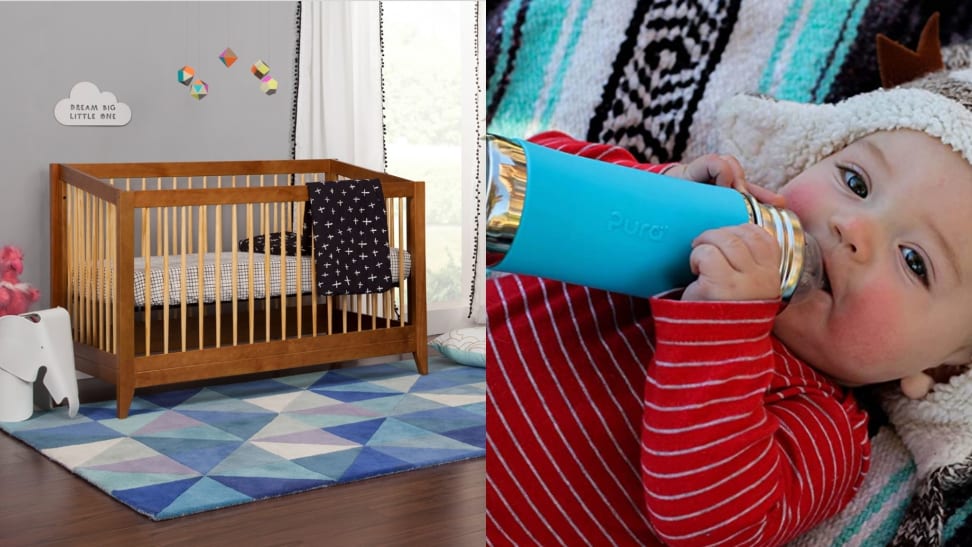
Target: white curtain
(339,84)
(474,152)
(339,114)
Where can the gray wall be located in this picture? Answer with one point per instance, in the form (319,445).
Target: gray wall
(134,50)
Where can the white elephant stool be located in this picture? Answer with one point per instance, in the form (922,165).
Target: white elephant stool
(29,342)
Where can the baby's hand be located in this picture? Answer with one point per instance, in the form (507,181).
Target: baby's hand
(739,262)
(723,170)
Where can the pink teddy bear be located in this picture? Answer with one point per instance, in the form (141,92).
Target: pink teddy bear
(15,296)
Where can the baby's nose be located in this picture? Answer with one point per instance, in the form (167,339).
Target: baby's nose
(857,233)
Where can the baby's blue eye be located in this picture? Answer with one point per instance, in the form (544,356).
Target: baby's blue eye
(915,263)
(855,182)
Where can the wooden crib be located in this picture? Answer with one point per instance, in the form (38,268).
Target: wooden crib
(110,221)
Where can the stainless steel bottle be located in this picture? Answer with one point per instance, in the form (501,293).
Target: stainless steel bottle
(593,223)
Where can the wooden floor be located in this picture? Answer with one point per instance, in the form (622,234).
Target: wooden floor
(41,503)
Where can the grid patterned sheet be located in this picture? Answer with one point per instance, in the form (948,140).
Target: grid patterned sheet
(157,268)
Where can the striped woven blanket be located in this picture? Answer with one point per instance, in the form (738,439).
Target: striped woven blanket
(650,75)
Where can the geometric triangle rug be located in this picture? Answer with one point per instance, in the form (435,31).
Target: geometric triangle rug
(192,450)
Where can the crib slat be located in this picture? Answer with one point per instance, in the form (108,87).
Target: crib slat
(68,220)
(83,268)
(147,275)
(86,295)
(108,264)
(402,288)
(158,220)
(81,263)
(112,326)
(183,247)
(105,265)
(90,281)
(299,230)
(345,303)
(202,249)
(234,280)
(219,277)
(282,228)
(315,298)
(165,279)
(249,266)
(99,274)
(389,217)
(85,272)
(374,311)
(265,222)
(189,210)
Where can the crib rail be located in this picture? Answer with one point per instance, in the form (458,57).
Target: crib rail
(107,218)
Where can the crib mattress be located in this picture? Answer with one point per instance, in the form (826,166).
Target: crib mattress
(208,291)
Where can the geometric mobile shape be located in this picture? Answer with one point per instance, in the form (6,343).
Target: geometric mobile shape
(260,69)
(268,85)
(186,74)
(228,56)
(199,89)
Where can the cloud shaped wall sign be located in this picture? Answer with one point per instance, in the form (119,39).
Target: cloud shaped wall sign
(88,105)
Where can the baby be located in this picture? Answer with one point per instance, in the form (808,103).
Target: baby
(740,429)
(896,232)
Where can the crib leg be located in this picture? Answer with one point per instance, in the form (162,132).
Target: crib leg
(124,401)
(124,393)
(421,355)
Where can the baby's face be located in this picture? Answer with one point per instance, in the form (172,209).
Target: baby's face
(893,215)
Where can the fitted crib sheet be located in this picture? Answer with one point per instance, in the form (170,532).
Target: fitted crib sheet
(157,267)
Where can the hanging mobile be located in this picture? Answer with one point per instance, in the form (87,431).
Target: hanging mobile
(199,89)
(260,69)
(186,74)
(228,57)
(268,84)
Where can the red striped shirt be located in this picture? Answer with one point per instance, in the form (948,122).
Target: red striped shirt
(614,420)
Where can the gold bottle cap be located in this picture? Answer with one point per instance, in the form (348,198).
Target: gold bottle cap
(786,227)
(506,179)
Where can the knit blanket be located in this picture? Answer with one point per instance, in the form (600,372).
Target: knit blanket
(350,227)
(650,76)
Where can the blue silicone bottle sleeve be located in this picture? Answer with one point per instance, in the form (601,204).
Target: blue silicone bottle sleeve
(611,227)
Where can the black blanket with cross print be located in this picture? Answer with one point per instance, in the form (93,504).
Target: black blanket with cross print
(350,228)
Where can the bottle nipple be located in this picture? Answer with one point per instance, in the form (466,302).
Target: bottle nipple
(812,275)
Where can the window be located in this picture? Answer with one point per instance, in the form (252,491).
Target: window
(420,96)
(431,134)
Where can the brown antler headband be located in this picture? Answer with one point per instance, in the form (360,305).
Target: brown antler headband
(898,64)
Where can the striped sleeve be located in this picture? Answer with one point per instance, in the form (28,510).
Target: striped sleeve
(563,408)
(728,459)
(611,153)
